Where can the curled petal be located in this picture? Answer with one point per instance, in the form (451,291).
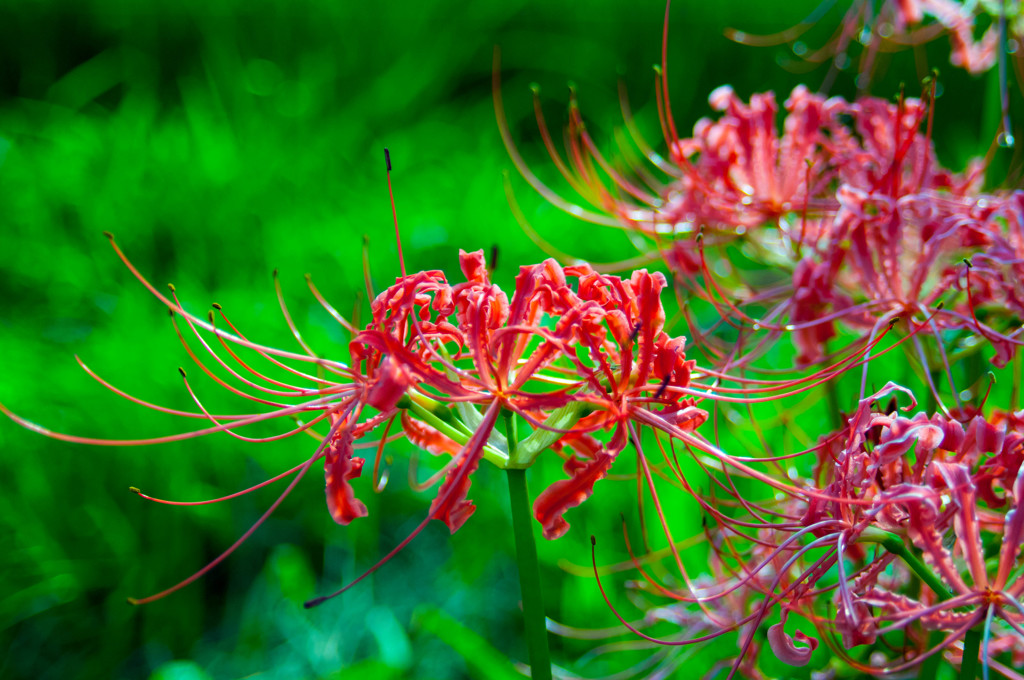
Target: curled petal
(423,436)
(926,532)
(339,468)
(451,505)
(552,503)
(473,266)
(391,384)
(784,648)
(965,520)
(1013,533)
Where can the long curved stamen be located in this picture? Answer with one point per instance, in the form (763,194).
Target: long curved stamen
(280,364)
(345,323)
(288,318)
(209,327)
(141,402)
(394,211)
(256,525)
(231,496)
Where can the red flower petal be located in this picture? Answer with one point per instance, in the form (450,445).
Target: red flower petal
(425,437)
(552,503)
(451,505)
(339,468)
(784,648)
(392,382)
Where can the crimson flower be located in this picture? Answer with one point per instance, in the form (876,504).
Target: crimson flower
(573,354)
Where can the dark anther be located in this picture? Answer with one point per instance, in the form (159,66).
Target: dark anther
(314,602)
(387,158)
(182,371)
(968,263)
(216,305)
(494,257)
(664,386)
(636,332)
(892,407)
(593,540)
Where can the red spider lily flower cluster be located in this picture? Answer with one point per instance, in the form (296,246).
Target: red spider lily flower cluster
(579,356)
(898,24)
(902,24)
(889,523)
(850,199)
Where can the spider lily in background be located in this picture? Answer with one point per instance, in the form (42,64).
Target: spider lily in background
(901,23)
(893,501)
(933,481)
(869,229)
(896,25)
(849,209)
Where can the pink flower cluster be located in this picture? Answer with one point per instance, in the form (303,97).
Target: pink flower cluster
(886,524)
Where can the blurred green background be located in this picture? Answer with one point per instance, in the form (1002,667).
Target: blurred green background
(219,141)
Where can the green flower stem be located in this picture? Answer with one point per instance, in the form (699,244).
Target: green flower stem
(896,546)
(451,430)
(529,569)
(523,453)
(1018,370)
(969,664)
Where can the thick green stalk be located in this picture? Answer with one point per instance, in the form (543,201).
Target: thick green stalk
(969,664)
(529,577)
(834,410)
(895,545)
(1018,365)
(529,569)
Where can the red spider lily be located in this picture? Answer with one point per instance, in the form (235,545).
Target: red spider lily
(432,355)
(886,244)
(905,23)
(896,25)
(920,477)
(924,478)
(501,347)
(889,248)
(865,490)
